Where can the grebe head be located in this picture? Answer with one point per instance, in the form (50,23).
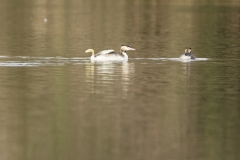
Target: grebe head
(90,51)
(190,50)
(125,48)
(186,50)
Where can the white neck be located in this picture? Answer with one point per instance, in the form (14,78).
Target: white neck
(92,57)
(125,55)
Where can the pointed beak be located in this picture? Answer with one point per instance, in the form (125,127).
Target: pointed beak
(86,51)
(130,48)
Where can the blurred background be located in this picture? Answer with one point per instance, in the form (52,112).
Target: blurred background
(55,104)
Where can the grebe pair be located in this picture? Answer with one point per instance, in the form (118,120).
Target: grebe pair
(187,55)
(110,54)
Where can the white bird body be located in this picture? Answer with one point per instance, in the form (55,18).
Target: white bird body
(110,55)
(184,57)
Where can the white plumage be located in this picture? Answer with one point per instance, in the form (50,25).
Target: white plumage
(110,55)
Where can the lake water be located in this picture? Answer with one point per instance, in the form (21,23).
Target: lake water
(55,104)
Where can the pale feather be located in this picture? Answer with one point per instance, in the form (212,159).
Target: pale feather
(104,52)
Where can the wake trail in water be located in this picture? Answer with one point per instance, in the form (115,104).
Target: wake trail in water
(23,61)
(171,59)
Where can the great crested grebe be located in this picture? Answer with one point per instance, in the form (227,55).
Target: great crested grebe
(187,55)
(110,54)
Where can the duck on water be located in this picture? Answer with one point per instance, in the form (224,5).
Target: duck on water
(188,55)
(110,54)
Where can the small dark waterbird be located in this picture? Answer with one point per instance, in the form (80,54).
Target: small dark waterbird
(188,55)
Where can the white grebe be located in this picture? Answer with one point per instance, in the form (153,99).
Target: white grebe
(110,54)
(187,55)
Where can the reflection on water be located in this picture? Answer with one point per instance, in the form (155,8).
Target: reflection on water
(56,104)
(128,71)
(186,70)
(106,73)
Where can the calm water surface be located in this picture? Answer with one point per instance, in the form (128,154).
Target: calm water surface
(55,104)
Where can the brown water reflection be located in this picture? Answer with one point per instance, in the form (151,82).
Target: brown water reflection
(104,74)
(55,106)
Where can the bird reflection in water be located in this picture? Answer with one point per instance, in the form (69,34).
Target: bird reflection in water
(128,71)
(186,69)
(109,78)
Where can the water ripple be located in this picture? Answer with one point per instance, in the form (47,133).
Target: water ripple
(18,61)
